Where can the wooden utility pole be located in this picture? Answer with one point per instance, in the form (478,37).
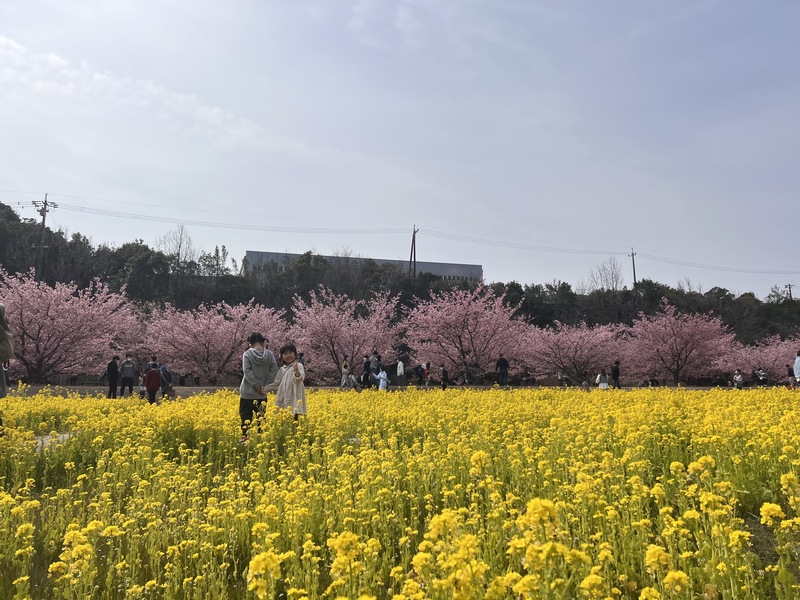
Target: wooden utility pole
(412,260)
(789,287)
(44,207)
(633,263)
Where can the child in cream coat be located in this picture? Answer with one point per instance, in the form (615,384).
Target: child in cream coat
(289,382)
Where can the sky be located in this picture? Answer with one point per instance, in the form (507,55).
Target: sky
(536,138)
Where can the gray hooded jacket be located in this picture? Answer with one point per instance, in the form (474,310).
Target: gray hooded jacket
(259,368)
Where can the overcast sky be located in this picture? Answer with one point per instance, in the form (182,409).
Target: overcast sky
(506,130)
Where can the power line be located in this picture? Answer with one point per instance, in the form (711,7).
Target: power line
(517,245)
(194,209)
(218,225)
(696,265)
(369,229)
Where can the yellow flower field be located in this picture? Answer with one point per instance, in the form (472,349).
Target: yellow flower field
(656,493)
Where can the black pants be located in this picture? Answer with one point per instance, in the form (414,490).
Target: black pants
(248,408)
(112,388)
(151,396)
(127,382)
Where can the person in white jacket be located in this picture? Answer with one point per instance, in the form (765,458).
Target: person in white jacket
(289,382)
(602,380)
(797,367)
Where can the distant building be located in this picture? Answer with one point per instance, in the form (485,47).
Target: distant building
(447,271)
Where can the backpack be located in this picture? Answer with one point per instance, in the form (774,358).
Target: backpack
(6,348)
(128,369)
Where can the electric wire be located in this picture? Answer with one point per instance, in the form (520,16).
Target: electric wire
(233,226)
(445,235)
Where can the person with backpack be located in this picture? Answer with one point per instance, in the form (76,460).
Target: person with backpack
(6,352)
(127,370)
(167,388)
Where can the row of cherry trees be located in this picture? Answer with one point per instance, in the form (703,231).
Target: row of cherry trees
(61,331)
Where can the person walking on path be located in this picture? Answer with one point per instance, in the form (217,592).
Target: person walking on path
(502,367)
(345,371)
(152,382)
(128,372)
(366,376)
(259,368)
(112,370)
(738,379)
(401,373)
(445,378)
(615,375)
(290,392)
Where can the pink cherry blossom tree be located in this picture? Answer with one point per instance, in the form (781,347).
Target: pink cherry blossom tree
(574,351)
(771,354)
(327,327)
(209,340)
(678,344)
(467,330)
(62,330)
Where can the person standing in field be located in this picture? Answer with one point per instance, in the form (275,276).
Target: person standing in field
(127,370)
(401,373)
(445,378)
(112,370)
(290,391)
(258,370)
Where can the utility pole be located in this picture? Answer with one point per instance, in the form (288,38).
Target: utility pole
(412,260)
(633,263)
(44,207)
(789,287)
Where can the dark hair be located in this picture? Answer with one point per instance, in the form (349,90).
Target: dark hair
(288,347)
(115,357)
(255,338)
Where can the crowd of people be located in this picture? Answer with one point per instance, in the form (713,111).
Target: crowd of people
(154,378)
(263,373)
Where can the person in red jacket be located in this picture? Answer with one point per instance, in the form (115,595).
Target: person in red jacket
(152,382)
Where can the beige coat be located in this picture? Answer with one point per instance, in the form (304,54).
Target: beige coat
(290,390)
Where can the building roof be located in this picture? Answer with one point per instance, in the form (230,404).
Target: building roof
(257,258)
